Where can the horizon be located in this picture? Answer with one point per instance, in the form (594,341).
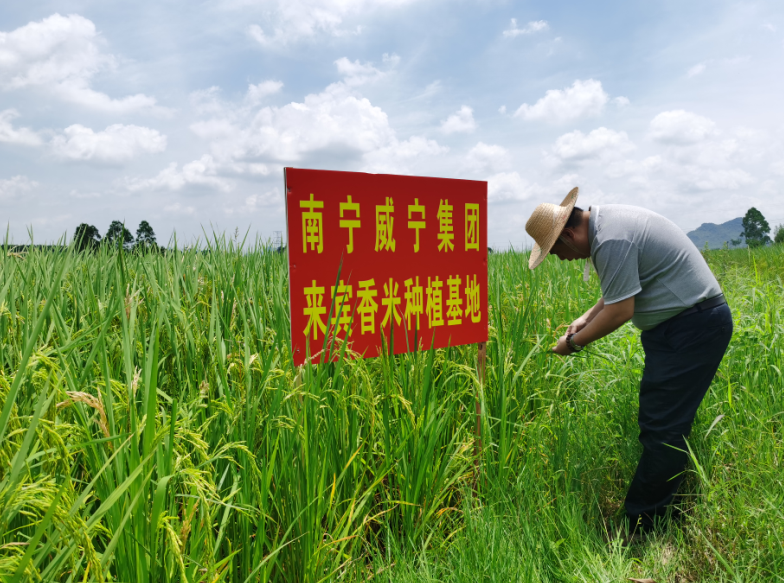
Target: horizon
(66,238)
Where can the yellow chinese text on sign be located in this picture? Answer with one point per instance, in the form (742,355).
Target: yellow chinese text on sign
(382,262)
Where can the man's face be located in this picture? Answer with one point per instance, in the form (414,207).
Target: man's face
(563,251)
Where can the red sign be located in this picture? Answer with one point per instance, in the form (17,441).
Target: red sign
(369,253)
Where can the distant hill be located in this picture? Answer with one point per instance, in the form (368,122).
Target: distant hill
(715,235)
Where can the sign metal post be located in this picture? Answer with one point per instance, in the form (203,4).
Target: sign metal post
(480,365)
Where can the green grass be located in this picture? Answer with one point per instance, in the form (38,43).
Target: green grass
(153,428)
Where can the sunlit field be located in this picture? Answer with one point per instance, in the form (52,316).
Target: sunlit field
(153,428)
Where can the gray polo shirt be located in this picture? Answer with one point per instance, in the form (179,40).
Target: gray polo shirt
(639,253)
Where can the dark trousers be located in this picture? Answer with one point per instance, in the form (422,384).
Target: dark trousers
(682,356)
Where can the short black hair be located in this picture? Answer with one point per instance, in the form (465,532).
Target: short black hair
(575,218)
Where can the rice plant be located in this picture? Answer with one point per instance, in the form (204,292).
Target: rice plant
(153,428)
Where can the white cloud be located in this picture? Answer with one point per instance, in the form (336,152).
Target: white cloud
(664,173)
(117,143)
(254,169)
(179,209)
(710,164)
(638,171)
(290,21)
(210,102)
(600,143)
(355,69)
(258,92)
(681,127)
(252,141)
(336,122)
(19,136)
(336,119)
(462,121)
(61,55)
(711,153)
(623,168)
(736,60)
(707,179)
(700,68)
(50,51)
(432,89)
(201,172)
(652,162)
(270,198)
(697,69)
(582,99)
(256,202)
(508,187)
(11,188)
(488,157)
(51,220)
(356,73)
(82,195)
(402,157)
(695,160)
(531,27)
(391,59)
(563,185)
(207,101)
(769,187)
(621,101)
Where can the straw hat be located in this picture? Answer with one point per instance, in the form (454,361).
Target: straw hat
(546,224)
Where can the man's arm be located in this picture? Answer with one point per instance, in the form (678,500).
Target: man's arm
(608,319)
(587,317)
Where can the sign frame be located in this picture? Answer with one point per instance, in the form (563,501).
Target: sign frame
(451,243)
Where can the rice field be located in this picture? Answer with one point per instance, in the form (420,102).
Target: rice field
(153,428)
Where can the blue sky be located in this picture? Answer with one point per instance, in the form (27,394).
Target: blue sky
(185,113)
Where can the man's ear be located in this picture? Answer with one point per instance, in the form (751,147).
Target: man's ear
(568,232)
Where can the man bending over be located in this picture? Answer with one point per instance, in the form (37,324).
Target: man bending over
(652,274)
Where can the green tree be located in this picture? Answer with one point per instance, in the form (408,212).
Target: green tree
(145,236)
(778,235)
(736,242)
(86,237)
(118,235)
(755,228)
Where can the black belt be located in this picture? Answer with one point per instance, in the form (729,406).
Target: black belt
(703,305)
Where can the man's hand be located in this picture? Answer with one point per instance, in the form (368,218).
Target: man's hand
(577,325)
(586,318)
(600,321)
(562,347)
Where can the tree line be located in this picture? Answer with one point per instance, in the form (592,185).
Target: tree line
(756,232)
(87,237)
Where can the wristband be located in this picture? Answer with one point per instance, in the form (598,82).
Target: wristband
(572,344)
